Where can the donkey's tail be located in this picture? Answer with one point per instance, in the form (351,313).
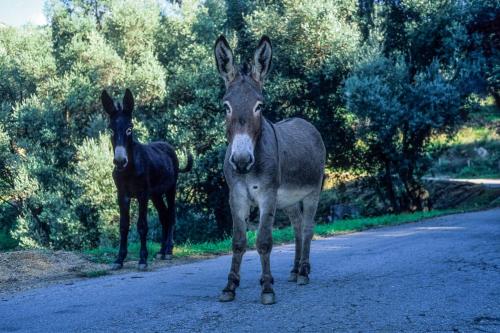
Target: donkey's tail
(189,164)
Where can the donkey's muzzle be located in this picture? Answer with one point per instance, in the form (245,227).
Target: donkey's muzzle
(120,163)
(120,159)
(242,163)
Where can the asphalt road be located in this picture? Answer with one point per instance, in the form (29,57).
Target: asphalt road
(440,275)
(485,182)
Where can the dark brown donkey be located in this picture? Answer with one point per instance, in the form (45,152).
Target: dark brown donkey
(269,166)
(142,171)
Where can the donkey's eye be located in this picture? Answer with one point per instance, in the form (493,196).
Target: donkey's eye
(258,108)
(228,108)
(129,131)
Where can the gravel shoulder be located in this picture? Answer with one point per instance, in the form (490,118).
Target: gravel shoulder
(31,269)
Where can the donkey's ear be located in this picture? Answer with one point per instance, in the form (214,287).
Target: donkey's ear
(107,103)
(224,60)
(262,59)
(128,102)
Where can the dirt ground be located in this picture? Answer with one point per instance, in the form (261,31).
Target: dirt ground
(23,270)
(26,269)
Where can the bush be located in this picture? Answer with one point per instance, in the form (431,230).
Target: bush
(95,193)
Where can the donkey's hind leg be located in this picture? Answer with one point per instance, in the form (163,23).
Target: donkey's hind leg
(170,226)
(142,229)
(309,204)
(294,213)
(163,217)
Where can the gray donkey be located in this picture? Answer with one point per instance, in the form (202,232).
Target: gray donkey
(269,166)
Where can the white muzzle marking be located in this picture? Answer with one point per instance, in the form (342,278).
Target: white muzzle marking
(121,154)
(242,145)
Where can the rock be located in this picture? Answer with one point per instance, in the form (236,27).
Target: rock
(342,211)
(481,152)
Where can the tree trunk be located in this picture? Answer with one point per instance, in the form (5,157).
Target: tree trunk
(389,186)
(236,10)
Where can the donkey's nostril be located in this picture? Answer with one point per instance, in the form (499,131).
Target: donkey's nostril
(242,163)
(120,162)
(252,160)
(120,157)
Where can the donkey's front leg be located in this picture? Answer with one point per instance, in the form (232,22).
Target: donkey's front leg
(240,210)
(142,229)
(124,203)
(267,209)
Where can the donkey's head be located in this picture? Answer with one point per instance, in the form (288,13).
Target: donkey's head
(243,100)
(120,126)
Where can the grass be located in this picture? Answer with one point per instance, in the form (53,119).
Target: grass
(280,236)
(480,127)
(458,155)
(478,171)
(466,135)
(463,161)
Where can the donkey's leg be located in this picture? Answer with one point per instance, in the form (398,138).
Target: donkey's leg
(295,215)
(240,210)
(310,204)
(267,210)
(142,229)
(163,217)
(124,203)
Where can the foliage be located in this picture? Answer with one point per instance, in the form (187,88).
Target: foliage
(414,84)
(397,116)
(95,202)
(315,44)
(6,241)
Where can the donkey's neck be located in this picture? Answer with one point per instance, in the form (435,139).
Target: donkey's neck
(133,147)
(267,149)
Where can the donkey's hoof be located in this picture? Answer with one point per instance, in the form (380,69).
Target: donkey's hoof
(302,280)
(268,298)
(226,296)
(116,266)
(142,267)
(292,277)
(164,256)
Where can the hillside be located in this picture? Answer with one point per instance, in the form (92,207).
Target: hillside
(474,151)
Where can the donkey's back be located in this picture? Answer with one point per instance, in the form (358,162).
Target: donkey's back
(160,164)
(161,155)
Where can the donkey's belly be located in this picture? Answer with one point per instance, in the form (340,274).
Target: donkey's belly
(290,196)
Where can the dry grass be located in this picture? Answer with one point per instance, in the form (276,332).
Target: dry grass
(21,269)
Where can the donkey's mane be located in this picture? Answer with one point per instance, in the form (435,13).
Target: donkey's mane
(245,68)
(119,107)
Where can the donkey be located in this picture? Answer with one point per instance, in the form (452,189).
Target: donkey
(266,165)
(142,171)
